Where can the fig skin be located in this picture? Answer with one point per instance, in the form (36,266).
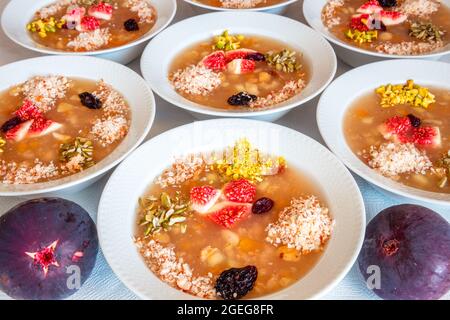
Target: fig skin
(411,246)
(31,227)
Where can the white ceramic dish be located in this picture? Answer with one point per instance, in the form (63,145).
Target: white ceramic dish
(336,99)
(279,8)
(161,51)
(136,92)
(18,13)
(352,55)
(117,209)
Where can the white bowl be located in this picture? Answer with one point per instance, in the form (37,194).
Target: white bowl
(18,13)
(342,92)
(134,89)
(161,51)
(275,9)
(117,209)
(352,55)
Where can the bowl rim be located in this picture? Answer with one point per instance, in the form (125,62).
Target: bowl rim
(271,7)
(345,269)
(378,179)
(102,169)
(344,45)
(45,50)
(197,108)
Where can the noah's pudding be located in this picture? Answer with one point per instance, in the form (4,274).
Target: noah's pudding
(53,126)
(232,224)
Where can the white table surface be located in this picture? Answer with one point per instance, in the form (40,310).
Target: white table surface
(103,284)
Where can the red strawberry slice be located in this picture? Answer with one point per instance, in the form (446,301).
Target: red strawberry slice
(226,214)
(240,66)
(102,11)
(392,18)
(28,111)
(42,126)
(204,198)
(242,191)
(215,61)
(238,54)
(427,136)
(73,17)
(19,132)
(88,24)
(372,6)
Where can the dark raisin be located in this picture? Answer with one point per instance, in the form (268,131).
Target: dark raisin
(235,283)
(11,123)
(388,3)
(262,205)
(89,100)
(415,122)
(131,25)
(256,56)
(241,99)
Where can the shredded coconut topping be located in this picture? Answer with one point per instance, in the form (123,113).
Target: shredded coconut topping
(329,17)
(408,48)
(241,4)
(196,79)
(113,102)
(91,40)
(13,173)
(289,90)
(110,129)
(174,271)
(54,8)
(45,91)
(305,225)
(144,9)
(391,159)
(181,171)
(419,8)
(74,165)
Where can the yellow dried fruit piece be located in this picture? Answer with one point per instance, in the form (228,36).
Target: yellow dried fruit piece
(43,26)
(2,144)
(288,254)
(362,36)
(227,42)
(64,107)
(409,93)
(247,245)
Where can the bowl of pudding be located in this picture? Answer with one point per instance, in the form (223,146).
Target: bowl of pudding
(231,199)
(364,31)
(269,6)
(112,29)
(391,128)
(66,121)
(238,66)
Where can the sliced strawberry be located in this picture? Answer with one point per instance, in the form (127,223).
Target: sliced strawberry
(215,61)
(204,198)
(42,126)
(392,18)
(28,111)
(73,17)
(242,191)
(227,214)
(88,24)
(372,6)
(238,54)
(19,132)
(427,136)
(396,129)
(240,66)
(102,11)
